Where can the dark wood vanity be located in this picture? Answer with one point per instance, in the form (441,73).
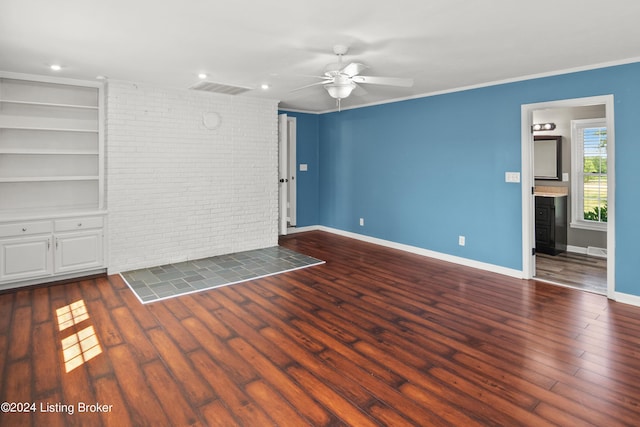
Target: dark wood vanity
(551,224)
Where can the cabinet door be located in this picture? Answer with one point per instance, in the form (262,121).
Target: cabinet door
(78,251)
(25,258)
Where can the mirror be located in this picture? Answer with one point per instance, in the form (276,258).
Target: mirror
(547,157)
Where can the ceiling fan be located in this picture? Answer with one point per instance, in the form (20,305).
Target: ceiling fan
(340,80)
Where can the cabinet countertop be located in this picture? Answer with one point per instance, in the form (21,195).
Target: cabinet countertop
(541,194)
(49,215)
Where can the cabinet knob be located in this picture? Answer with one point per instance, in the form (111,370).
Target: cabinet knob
(24,228)
(79,224)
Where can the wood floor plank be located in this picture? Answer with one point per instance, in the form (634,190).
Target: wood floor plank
(198,308)
(144,317)
(17,388)
(390,403)
(216,414)
(274,405)
(137,341)
(348,390)
(237,324)
(42,417)
(46,366)
(242,407)
(20,343)
(196,390)
(178,409)
(305,404)
(143,406)
(41,305)
(173,327)
(238,370)
(341,407)
(99,315)
(375,336)
(108,393)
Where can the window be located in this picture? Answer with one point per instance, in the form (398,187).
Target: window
(589,174)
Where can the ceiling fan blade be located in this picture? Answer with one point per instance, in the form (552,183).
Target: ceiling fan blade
(313,84)
(389,81)
(359,91)
(353,69)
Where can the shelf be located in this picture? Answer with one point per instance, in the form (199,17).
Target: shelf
(49,104)
(54,129)
(49,179)
(48,123)
(50,152)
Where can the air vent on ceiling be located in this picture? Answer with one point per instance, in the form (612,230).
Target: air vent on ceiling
(219,88)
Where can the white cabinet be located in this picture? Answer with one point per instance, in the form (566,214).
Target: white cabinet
(31,251)
(78,251)
(52,216)
(25,258)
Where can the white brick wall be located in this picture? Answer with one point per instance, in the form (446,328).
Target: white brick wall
(177,190)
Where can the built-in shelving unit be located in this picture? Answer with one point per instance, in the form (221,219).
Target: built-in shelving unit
(50,133)
(51,163)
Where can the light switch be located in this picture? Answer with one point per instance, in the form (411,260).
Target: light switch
(303,167)
(512,176)
(565,177)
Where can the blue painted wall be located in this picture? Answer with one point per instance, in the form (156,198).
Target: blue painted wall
(307,187)
(424,171)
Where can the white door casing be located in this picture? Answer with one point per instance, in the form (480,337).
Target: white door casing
(283,173)
(292,163)
(527,182)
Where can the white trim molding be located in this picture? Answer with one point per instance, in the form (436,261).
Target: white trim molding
(616,296)
(419,251)
(528,238)
(627,299)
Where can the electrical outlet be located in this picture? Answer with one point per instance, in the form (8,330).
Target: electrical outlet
(361,222)
(461,240)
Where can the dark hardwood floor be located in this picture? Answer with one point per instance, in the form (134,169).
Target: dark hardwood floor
(373,337)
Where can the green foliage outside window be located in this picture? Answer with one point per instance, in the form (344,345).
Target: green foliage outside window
(596,214)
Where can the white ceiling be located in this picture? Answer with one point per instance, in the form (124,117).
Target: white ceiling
(441,44)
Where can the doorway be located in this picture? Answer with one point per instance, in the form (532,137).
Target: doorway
(578,262)
(286,173)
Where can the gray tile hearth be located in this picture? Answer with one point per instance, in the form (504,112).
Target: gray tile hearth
(171,280)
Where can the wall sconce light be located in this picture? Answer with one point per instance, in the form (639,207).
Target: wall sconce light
(543,126)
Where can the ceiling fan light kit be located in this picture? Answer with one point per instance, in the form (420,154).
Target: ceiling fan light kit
(340,81)
(339,91)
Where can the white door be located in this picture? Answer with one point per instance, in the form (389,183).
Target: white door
(25,258)
(283,173)
(78,251)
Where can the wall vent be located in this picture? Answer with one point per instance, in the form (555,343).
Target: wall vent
(207,86)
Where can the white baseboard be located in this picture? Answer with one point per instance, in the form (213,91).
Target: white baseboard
(589,250)
(627,299)
(576,249)
(294,230)
(618,297)
(420,251)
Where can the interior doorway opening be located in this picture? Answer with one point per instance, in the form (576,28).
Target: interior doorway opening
(287,173)
(558,246)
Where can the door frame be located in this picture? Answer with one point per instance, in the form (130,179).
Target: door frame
(287,163)
(528,182)
(292,206)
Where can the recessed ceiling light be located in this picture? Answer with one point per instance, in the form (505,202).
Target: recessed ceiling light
(56,67)
(202,76)
(264,86)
